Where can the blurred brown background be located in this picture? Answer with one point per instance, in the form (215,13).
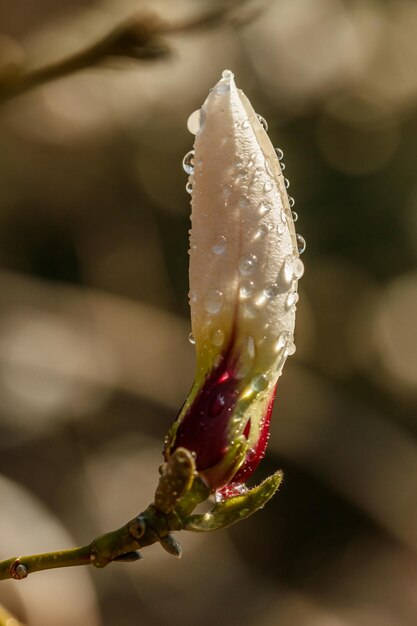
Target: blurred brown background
(94,357)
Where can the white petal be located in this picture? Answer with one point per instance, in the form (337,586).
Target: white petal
(244,262)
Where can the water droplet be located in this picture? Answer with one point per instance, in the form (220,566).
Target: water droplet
(291,201)
(250,311)
(259,382)
(285,343)
(279,153)
(223,86)
(191,338)
(228,74)
(290,348)
(217,338)
(301,244)
(213,301)
(272,291)
(246,124)
(247,264)
(268,186)
(189,187)
(298,268)
(287,270)
(263,122)
(246,289)
(245,362)
(286,183)
(217,360)
(263,209)
(217,405)
(220,245)
(282,166)
(291,300)
(294,216)
(188,162)
(243,202)
(261,231)
(194,122)
(250,347)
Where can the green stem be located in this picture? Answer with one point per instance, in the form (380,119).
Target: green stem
(121,544)
(151,526)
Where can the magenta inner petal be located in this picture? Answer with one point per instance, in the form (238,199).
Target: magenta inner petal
(204,427)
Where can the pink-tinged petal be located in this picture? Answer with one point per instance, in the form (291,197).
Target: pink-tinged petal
(244,271)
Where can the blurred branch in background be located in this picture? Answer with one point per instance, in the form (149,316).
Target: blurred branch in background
(141,37)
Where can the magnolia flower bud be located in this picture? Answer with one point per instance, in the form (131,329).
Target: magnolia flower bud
(244,271)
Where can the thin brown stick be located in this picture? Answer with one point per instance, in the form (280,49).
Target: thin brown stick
(141,37)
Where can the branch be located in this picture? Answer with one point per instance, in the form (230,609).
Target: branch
(142,37)
(178,493)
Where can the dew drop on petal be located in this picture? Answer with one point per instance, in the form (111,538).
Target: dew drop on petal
(294,216)
(191,338)
(188,162)
(263,122)
(217,405)
(261,231)
(286,183)
(301,244)
(247,264)
(287,270)
(269,168)
(246,360)
(189,187)
(222,87)
(272,291)
(282,166)
(291,300)
(263,209)
(290,348)
(291,201)
(220,245)
(194,122)
(213,301)
(217,338)
(279,153)
(259,382)
(285,343)
(246,124)
(250,347)
(217,360)
(227,74)
(246,289)
(282,340)
(250,311)
(268,186)
(298,268)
